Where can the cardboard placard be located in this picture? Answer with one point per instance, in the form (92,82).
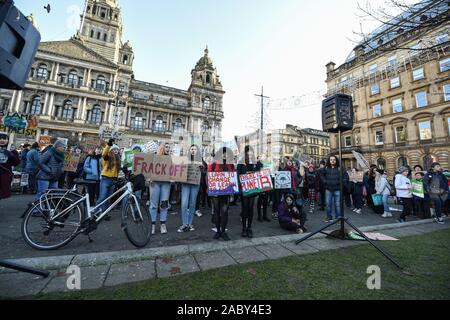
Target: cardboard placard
(44,141)
(361,160)
(255,183)
(128,158)
(150,147)
(194,174)
(283,180)
(71,162)
(90,144)
(19,123)
(418,189)
(24,180)
(222,183)
(161,168)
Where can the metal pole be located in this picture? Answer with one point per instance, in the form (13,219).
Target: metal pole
(84,17)
(341,185)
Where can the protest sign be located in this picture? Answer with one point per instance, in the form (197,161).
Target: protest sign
(18,123)
(283,180)
(363,163)
(44,141)
(150,147)
(90,144)
(71,162)
(222,183)
(128,158)
(161,168)
(256,182)
(194,174)
(417,188)
(24,180)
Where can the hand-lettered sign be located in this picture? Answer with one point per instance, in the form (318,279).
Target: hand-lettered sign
(194,174)
(256,182)
(71,162)
(161,168)
(283,180)
(222,183)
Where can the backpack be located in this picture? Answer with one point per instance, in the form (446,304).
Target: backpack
(435,185)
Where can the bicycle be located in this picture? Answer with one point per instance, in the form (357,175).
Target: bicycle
(61,215)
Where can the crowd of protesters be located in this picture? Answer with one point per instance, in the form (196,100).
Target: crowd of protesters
(312,188)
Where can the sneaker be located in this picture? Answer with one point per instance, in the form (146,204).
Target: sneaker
(299,230)
(163,228)
(354,210)
(215,229)
(198,213)
(225,236)
(182,229)
(191,228)
(328,220)
(384,215)
(153,229)
(173,213)
(439,220)
(358,211)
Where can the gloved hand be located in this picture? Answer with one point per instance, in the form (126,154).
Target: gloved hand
(111,142)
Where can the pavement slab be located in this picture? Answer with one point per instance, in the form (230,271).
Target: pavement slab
(246,255)
(274,251)
(22,284)
(300,249)
(130,272)
(174,266)
(214,260)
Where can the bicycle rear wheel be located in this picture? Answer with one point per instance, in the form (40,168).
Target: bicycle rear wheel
(42,232)
(136,223)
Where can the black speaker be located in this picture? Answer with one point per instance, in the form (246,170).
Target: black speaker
(337,113)
(19,41)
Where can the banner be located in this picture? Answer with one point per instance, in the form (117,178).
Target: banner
(194,174)
(418,189)
(44,141)
(363,163)
(161,168)
(18,123)
(71,162)
(283,180)
(222,183)
(255,183)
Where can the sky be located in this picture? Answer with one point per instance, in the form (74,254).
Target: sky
(282,45)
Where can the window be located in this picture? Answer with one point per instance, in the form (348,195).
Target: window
(96,115)
(138,122)
(125,59)
(42,72)
(442,38)
(105,37)
(402,162)
(444,64)
(373,68)
(207,103)
(121,89)
(397,105)
(377,110)
(425,130)
(72,79)
(392,61)
(67,112)
(4,103)
(381,163)
(375,89)
(100,84)
(448,125)
(178,125)
(395,82)
(205,126)
(159,124)
(98,35)
(447,92)
(379,139)
(36,105)
(418,74)
(92,33)
(400,134)
(348,141)
(421,99)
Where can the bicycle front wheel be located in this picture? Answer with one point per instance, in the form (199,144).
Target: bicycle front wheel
(43,232)
(136,223)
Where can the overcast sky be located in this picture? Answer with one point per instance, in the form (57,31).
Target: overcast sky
(281,44)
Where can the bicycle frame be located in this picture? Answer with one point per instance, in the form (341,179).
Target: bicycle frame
(128,193)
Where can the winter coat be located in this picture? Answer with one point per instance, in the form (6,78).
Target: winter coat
(357,188)
(109,171)
(285,214)
(369,182)
(50,168)
(93,168)
(443,183)
(401,186)
(312,180)
(23,159)
(8,160)
(32,161)
(330,179)
(382,186)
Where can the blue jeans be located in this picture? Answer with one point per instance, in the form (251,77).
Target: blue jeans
(44,185)
(106,190)
(385,203)
(336,196)
(159,193)
(188,202)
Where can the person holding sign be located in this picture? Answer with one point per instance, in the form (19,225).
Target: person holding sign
(51,168)
(247,166)
(222,163)
(421,197)
(263,199)
(110,172)
(159,195)
(189,190)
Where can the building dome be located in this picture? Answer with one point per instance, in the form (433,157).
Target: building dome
(205,61)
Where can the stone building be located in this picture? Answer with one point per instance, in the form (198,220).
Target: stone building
(400,84)
(78,85)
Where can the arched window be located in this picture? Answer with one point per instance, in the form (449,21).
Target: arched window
(208,78)
(42,72)
(402,162)
(381,164)
(96,115)
(100,83)
(67,111)
(207,103)
(98,35)
(36,105)
(428,161)
(92,33)
(72,78)
(138,122)
(125,59)
(178,125)
(105,37)
(159,124)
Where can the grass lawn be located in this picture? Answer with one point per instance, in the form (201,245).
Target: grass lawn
(339,274)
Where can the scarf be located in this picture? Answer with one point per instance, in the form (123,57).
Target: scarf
(59,156)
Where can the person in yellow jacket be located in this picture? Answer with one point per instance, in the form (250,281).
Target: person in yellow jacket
(110,172)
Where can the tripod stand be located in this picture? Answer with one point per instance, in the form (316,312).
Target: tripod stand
(342,220)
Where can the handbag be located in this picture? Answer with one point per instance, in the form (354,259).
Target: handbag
(377,199)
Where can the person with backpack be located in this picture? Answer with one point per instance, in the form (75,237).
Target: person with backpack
(8,160)
(437,187)
(32,167)
(382,188)
(92,171)
(403,188)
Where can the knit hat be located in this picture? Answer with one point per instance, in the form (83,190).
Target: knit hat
(114,147)
(59,143)
(402,169)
